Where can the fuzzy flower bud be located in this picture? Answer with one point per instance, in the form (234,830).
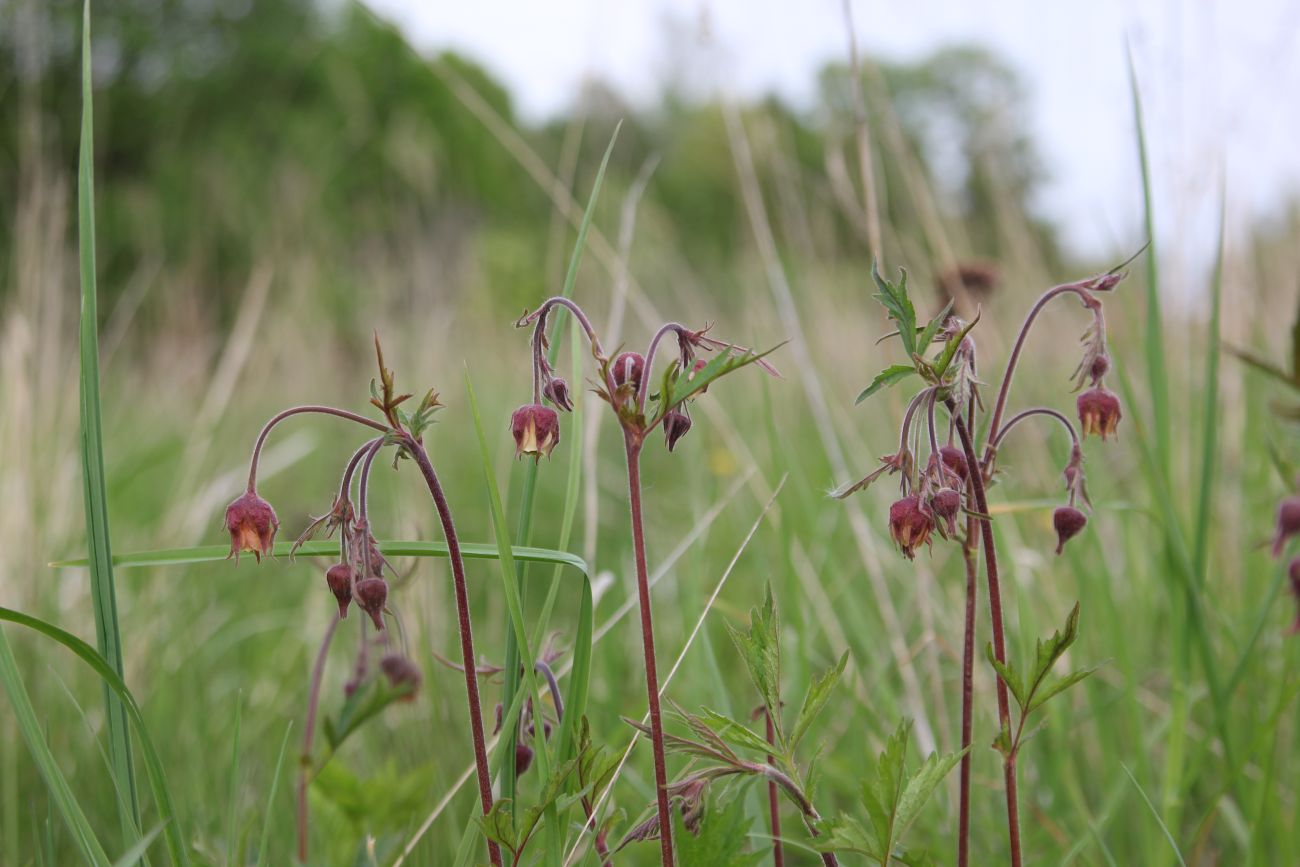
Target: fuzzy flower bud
(955,460)
(339,579)
(402,674)
(1293,573)
(1288,523)
(628,367)
(372,594)
(946,504)
(556,391)
(1099,368)
(536,429)
(1069,522)
(1099,412)
(676,426)
(523,758)
(910,524)
(252,524)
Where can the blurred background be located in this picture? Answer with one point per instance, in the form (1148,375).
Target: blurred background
(278,180)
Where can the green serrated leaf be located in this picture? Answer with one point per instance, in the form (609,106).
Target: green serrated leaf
(498,826)
(688,383)
(893,297)
(920,787)
(932,328)
(735,734)
(846,834)
(940,365)
(891,375)
(819,692)
(761,650)
(1057,687)
(1007,672)
(721,839)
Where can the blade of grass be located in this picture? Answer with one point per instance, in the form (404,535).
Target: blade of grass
(514,603)
(219,553)
(232,802)
(524,530)
(107,634)
(132,856)
(1173,844)
(60,792)
(172,834)
(270,798)
(1210,415)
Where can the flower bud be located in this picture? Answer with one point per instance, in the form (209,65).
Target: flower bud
(523,758)
(1069,522)
(955,460)
(536,429)
(372,593)
(339,579)
(676,426)
(252,524)
(402,674)
(1099,412)
(1288,523)
(1293,573)
(946,504)
(628,367)
(556,390)
(1099,368)
(910,524)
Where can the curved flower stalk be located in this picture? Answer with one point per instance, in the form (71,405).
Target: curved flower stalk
(358,578)
(939,482)
(623,381)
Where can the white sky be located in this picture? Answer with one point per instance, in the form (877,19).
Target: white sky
(1220,82)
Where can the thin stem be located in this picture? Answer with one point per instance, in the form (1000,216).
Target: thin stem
(644,390)
(304,766)
(970,555)
(773,804)
(298,410)
(1030,413)
(632,443)
(1089,301)
(363,507)
(539,316)
(466,632)
(556,698)
(810,814)
(976,477)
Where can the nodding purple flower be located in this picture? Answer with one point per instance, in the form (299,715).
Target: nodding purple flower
(946,504)
(402,674)
(536,430)
(676,425)
(1288,523)
(910,524)
(372,594)
(1099,412)
(339,578)
(955,460)
(627,369)
(523,758)
(1069,522)
(556,391)
(252,524)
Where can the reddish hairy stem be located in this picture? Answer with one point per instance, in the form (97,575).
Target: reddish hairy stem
(304,764)
(539,316)
(969,554)
(632,443)
(1030,413)
(773,804)
(810,814)
(1089,301)
(644,390)
(976,477)
(298,410)
(466,632)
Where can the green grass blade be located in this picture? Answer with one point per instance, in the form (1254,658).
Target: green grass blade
(528,489)
(153,764)
(514,603)
(1210,415)
(107,634)
(1157,377)
(60,791)
(1161,822)
(391,548)
(232,804)
(270,798)
(133,856)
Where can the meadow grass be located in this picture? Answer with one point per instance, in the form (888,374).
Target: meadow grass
(1180,750)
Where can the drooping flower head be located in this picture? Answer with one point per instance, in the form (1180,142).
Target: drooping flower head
(251,523)
(955,460)
(676,425)
(1068,522)
(1099,412)
(372,595)
(627,369)
(536,429)
(339,578)
(556,390)
(910,524)
(946,504)
(1288,523)
(402,674)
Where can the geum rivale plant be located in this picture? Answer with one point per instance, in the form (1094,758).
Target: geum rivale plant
(623,381)
(943,478)
(358,577)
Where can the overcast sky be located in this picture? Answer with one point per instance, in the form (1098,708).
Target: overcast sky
(1220,81)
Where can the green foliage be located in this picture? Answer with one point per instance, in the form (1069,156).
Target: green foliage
(892,800)
(891,375)
(760,648)
(893,297)
(720,838)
